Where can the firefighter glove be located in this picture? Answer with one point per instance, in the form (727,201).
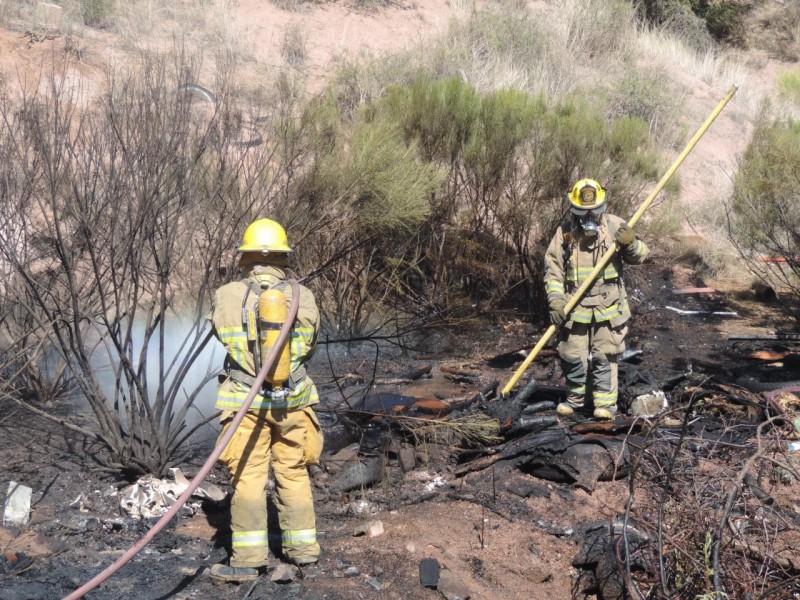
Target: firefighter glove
(557,314)
(625,236)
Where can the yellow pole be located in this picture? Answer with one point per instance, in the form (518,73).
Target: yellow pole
(578,295)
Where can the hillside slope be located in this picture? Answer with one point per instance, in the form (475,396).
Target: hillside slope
(314,40)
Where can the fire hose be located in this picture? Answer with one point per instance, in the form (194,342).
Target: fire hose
(601,264)
(212,459)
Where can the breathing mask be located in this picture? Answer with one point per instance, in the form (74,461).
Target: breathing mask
(589,221)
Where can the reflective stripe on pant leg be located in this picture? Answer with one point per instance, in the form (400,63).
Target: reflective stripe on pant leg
(604,380)
(293,487)
(246,539)
(247,458)
(574,352)
(299,537)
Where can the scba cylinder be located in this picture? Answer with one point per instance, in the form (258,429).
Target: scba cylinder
(272,315)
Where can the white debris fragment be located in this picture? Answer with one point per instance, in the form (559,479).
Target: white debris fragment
(649,405)
(713,313)
(361,507)
(437,482)
(18,504)
(152,497)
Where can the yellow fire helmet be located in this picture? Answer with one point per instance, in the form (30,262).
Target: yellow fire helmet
(587,195)
(265,236)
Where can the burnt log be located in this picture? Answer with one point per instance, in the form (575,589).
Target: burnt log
(583,462)
(603,554)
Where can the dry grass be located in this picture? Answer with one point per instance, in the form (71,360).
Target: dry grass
(472,430)
(601,30)
(294,47)
(500,50)
(713,248)
(712,67)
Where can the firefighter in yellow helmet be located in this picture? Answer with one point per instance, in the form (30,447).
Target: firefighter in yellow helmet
(593,334)
(280,428)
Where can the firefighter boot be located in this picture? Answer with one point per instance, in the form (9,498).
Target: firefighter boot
(605,413)
(221,572)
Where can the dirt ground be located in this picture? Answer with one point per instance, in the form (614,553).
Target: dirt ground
(495,541)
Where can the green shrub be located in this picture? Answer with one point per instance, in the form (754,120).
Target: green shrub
(644,94)
(725,20)
(98,13)
(373,183)
(789,86)
(766,201)
(438,114)
(503,122)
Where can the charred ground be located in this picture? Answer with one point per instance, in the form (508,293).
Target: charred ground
(501,524)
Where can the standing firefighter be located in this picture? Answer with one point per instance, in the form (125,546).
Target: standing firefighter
(280,426)
(594,333)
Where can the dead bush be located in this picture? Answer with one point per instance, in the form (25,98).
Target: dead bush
(717,521)
(119,224)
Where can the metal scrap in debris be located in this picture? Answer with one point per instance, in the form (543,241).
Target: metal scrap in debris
(785,337)
(151,497)
(712,313)
(694,290)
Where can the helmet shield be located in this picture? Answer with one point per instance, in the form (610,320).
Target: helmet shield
(588,196)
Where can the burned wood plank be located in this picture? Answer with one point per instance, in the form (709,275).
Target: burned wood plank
(508,410)
(486,393)
(531,424)
(479,465)
(556,439)
(532,409)
(619,424)
(406,376)
(508,359)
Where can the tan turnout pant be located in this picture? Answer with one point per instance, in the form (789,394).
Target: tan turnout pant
(603,344)
(291,440)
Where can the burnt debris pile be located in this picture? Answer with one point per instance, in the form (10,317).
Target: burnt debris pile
(708,466)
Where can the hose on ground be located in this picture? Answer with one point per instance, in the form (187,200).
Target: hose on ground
(208,465)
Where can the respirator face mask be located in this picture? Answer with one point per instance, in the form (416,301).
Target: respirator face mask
(590,222)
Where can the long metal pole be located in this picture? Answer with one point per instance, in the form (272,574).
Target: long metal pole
(578,295)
